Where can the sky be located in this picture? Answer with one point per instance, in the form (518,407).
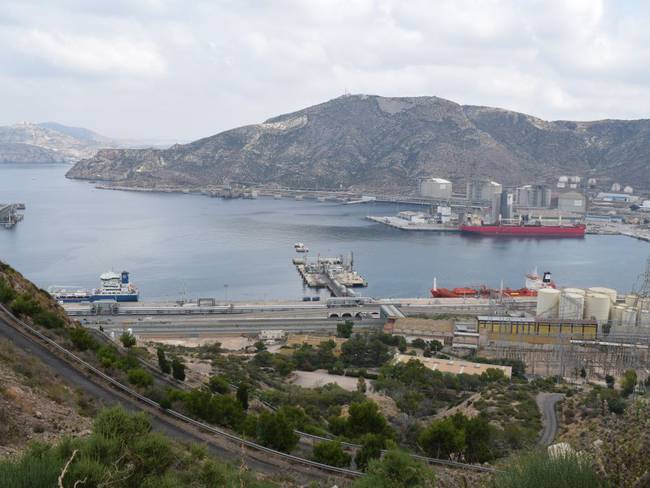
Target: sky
(180,70)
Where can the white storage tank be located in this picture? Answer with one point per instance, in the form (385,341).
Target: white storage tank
(616,187)
(597,306)
(610,292)
(644,318)
(575,291)
(571,306)
(617,315)
(628,189)
(630,300)
(629,317)
(548,302)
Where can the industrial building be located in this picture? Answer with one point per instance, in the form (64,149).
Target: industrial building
(482,190)
(572,201)
(437,188)
(616,197)
(525,329)
(538,196)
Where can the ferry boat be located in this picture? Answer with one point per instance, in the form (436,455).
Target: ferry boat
(115,286)
(300,247)
(534,282)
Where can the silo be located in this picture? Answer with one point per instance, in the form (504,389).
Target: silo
(575,291)
(630,299)
(597,306)
(629,317)
(610,292)
(548,301)
(644,318)
(571,306)
(617,315)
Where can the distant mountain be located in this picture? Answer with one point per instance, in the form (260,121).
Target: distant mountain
(372,142)
(49,142)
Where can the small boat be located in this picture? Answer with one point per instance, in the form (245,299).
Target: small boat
(300,247)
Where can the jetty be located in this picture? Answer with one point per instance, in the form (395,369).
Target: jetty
(334,273)
(9,215)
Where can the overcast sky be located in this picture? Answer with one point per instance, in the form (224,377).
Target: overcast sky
(181,70)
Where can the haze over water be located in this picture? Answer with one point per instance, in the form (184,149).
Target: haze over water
(208,247)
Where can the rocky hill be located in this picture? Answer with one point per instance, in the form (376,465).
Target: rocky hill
(49,142)
(372,142)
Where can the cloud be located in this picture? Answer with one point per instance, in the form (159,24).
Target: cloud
(172,69)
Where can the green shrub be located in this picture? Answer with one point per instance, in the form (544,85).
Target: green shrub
(163,363)
(331,452)
(397,469)
(275,431)
(371,447)
(25,305)
(140,377)
(219,384)
(538,470)
(127,339)
(7,293)
(82,340)
(178,369)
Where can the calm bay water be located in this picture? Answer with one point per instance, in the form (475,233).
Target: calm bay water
(174,244)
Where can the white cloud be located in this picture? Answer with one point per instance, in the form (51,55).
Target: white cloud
(189,69)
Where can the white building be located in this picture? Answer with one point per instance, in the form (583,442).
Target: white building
(435,188)
(478,190)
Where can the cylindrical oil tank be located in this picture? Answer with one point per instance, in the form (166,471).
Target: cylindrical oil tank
(628,318)
(597,306)
(630,299)
(575,291)
(610,292)
(571,306)
(548,301)
(616,315)
(644,318)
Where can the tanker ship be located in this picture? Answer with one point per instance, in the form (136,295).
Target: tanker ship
(534,283)
(525,230)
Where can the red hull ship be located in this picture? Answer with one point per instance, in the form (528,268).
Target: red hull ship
(577,230)
(534,282)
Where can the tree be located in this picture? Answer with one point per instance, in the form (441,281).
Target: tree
(628,382)
(331,453)
(371,447)
(163,363)
(178,369)
(361,385)
(491,375)
(478,433)
(435,345)
(365,351)
(127,339)
(7,293)
(442,439)
(260,346)
(344,329)
(275,431)
(365,418)
(583,373)
(140,377)
(219,384)
(397,469)
(609,379)
(242,395)
(419,343)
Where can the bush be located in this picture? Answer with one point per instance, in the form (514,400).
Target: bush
(538,470)
(365,351)
(47,319)
(331,453)
(344,329)
(275,431)
(628,382)
(127,339)
(7,293)
(25,305)
(140,377)
(242,395)
(82,340)
(442,439)
(219,384)
(397,469)
(371,447)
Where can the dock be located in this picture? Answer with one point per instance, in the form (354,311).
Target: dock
(334,273)
(9,215)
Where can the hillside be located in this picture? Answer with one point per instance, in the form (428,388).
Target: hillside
(375,142)
(49,142)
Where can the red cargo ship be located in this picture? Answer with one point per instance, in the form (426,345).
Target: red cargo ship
(530,230)
(534,282)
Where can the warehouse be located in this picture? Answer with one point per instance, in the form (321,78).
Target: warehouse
(437,188)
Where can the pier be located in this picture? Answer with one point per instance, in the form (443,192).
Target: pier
(9,215)
(336,274)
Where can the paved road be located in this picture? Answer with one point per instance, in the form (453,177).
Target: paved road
(108,396)
(546,403)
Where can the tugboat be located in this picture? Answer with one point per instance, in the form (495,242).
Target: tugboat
(115,286)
